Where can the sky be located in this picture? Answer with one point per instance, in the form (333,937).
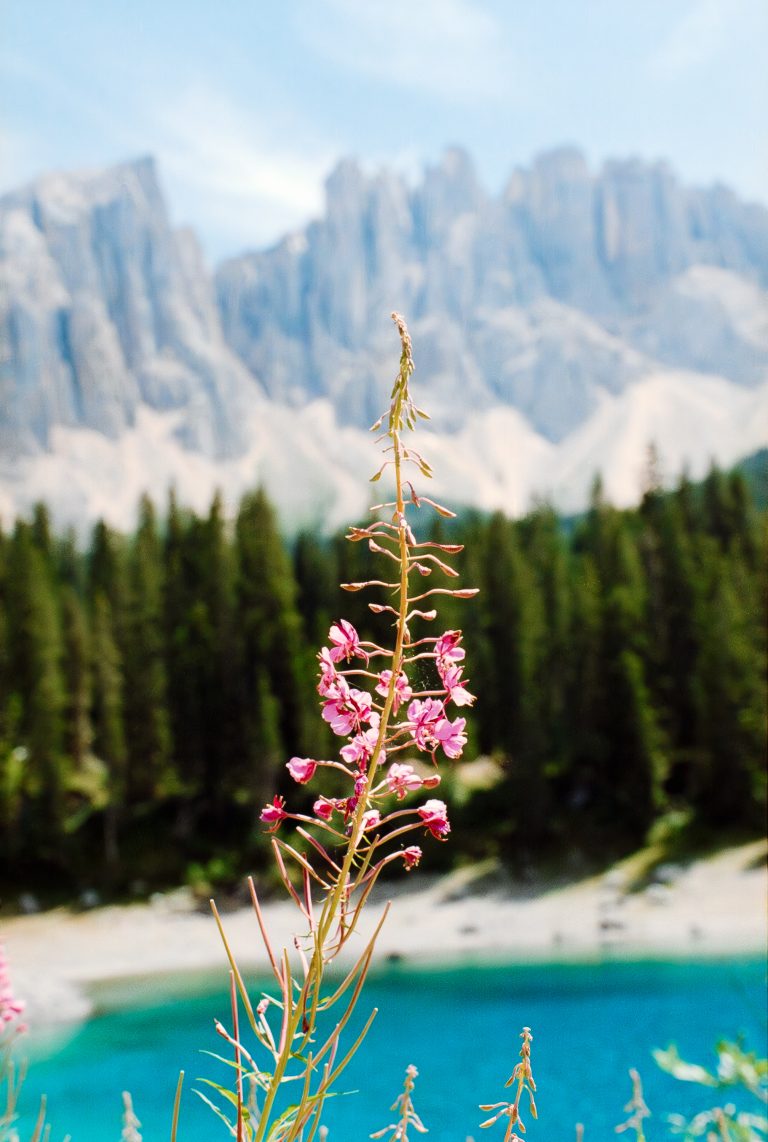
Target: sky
(248,104)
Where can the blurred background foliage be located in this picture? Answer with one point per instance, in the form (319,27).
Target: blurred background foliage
(152,686)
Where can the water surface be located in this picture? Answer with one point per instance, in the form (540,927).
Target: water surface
(459,1026)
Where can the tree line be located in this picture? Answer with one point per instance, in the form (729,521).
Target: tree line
(153,685)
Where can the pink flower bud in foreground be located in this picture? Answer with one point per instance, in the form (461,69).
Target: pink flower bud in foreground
(323,808)
(411,857)
(301,769)
(274,813)
(371,819)
(434,816)
(402,779)
(10,1006)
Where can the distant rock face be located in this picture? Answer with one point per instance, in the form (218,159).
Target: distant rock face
(559,327)
(565,286)
(104,308)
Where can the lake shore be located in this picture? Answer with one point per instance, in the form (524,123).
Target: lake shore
(712,906)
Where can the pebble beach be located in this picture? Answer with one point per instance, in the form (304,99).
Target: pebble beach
(711,906)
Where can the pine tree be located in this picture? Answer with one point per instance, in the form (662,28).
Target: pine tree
(636,765)
(187,639)
(673,647)
(726,506)
(270,635)
(68,563)
(40,532)
(547,555)
(220,660)
(200,633)
(35,648)
(729,782)
(106,575)
(12,753)
(587,695)
(108,726)
(77,677)
(148,735)
(316,585)
(514,630)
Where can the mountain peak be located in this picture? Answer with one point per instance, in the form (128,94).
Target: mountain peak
(558,298)
(565,163)
(106,308)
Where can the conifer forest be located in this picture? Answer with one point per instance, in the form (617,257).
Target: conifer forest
(153,686)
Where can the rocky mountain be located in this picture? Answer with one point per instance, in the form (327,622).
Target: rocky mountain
(105,309)
(558,326)
(565,286)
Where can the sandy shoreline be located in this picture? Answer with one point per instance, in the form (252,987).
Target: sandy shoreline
(713,906)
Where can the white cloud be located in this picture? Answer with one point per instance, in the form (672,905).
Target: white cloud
(452,49)
(247,181)
(209,139)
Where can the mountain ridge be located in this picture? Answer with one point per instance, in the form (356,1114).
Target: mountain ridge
(478,276)
(569,293)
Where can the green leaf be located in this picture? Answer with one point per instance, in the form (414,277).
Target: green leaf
(214,1108)
(227,1063)
(671,1062)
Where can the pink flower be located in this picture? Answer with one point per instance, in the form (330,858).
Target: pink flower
(301,769)
(360,749)
(10,1006)
(347,712)
(457,692)
(403,779)
(434,815)
(347,642)
(411,857)
(430,728)
(403,691)
(422,719)
(447,649)
(274,813)
(451,736)
(323,808)
(327,685)
(371,819)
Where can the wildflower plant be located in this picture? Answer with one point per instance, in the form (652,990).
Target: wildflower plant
(737,1070)
(383,717)
(11,1078)
(406,1112)
(522,1075)
(636,1109)
(131,1124)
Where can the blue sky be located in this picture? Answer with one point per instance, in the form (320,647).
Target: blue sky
(247,104)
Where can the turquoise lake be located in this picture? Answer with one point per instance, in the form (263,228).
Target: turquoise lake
(459,1026)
